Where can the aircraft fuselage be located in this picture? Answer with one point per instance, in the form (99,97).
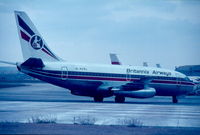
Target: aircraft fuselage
(86,80)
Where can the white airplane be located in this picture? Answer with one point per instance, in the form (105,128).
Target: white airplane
(115,61)
(97,81)
(158,65)
(145,64)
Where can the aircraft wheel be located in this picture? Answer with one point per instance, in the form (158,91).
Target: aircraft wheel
(174,99)
(119,99)
(98,99)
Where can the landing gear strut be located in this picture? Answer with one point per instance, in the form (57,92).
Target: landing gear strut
(119,99)
(98,99)
(174,99)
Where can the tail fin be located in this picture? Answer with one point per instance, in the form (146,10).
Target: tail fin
(32,43)
(158,65)
(114,59)
(145,64)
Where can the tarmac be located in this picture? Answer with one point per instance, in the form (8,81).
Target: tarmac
(24,102)
(66,129)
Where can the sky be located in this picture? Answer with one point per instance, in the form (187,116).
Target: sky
(86,31)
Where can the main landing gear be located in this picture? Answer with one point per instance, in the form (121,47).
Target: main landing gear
(174,99)
(98,99)
(119,99)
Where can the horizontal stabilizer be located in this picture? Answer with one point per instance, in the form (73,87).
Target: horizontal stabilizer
(6,62)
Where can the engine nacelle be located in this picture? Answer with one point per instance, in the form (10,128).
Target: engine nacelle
(143,93)
(104,91)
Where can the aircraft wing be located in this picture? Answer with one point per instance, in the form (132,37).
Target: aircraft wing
(145,81)
(142,83)
(6,62)
(135,89)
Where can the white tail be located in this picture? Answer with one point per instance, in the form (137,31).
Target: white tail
(32,43)
(114,59)
(145,64)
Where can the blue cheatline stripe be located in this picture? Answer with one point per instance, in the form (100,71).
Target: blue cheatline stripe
(48,51)
(106,74)
(25,26)
(107,78)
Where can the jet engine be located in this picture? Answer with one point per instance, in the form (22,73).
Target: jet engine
(143,93)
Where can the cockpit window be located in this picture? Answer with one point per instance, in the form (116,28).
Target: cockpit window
(187,79)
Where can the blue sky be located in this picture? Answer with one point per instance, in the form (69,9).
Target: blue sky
(86,31)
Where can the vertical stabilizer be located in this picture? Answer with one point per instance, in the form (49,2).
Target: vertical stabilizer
(32,43)
(145,64)
(114,59)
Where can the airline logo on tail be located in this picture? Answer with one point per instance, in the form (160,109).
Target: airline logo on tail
(34,40)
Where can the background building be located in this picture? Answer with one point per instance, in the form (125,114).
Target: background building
(189,70)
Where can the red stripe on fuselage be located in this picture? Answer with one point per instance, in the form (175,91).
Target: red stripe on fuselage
(98,78)
(172,82)
(111,78)
(125,79)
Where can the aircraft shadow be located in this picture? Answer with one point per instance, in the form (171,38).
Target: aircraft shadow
(105,102)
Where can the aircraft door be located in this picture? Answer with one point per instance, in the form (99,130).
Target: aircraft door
(64,73)
(128,75)
(178,81)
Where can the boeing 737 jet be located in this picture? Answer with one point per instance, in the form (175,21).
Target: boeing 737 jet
(97,81)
